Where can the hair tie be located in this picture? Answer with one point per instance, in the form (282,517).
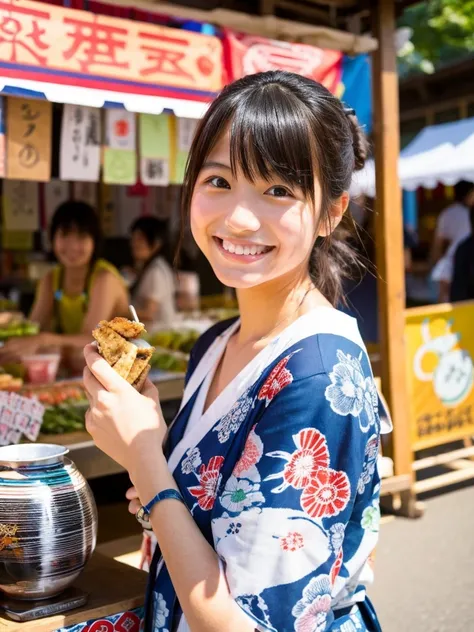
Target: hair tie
(349,112)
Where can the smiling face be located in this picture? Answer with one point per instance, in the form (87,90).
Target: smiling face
(251,232)
(73,248)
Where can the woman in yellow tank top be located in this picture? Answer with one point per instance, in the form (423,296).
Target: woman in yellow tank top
(79,292)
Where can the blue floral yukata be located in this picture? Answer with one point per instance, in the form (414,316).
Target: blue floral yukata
(280,475)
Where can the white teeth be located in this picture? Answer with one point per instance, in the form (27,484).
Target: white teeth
(243,250)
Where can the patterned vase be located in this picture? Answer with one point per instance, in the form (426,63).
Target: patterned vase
(48,521)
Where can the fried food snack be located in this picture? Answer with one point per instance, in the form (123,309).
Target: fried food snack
(119,344)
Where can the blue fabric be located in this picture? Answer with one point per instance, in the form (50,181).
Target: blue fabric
(285,487)
(357,82)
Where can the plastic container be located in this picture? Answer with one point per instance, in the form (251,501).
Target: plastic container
(41,368)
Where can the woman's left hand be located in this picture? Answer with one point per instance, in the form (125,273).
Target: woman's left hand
(15,348)
(124,424)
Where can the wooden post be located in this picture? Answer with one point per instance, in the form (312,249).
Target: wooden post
(389,241)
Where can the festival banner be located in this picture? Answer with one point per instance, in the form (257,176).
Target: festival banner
(56,44)
(249,54)
(20,205)
(120,158)
(80,144)
(440,352)
(155,142)
(29,129)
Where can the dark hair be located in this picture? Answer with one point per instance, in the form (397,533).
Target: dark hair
(152,228)
(290,126)
(72,215)
(462,189)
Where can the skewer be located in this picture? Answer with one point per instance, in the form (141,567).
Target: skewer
(133,313)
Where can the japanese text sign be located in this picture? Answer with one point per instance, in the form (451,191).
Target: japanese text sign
(19,416)
(80,144)
(86,45)
(155,149)
(29,125)
(440,352)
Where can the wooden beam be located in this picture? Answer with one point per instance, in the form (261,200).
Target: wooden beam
(389,234)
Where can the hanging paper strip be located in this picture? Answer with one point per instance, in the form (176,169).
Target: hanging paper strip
(80,144)
(185,130)
(155,144)
(120,159)
(20,205)
(29,129)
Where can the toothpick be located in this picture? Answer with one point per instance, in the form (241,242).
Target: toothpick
(133,313)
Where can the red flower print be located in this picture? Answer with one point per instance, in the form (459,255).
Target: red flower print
(304,463)
(276,381)
(251,455)
(292,542)
(209,477)
(327,494)
(336,567)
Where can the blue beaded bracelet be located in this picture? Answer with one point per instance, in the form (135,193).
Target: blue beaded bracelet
(143,514)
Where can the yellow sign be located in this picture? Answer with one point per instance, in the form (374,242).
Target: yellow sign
(17,240)
(440,352)
(29,125)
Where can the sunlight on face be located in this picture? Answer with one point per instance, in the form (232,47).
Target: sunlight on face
(251,233)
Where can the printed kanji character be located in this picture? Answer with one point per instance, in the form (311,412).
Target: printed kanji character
(163,60)
(97,44)
(21,31)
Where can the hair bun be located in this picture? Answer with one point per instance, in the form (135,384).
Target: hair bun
(359,142)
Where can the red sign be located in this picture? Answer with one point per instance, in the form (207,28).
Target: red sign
(248,54)
(82,48)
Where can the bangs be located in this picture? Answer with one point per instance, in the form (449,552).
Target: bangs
(270,138)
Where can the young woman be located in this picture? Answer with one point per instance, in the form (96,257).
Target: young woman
(153,291)
(81,290)
(264,494)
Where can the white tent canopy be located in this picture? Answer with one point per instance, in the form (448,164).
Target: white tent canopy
(439,154)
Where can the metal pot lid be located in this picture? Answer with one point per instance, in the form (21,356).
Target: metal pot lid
(30,454)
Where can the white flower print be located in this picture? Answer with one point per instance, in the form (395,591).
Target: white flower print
(160,611)
(239,494)
(371,517)
(312,609)
(337,536)
(256,607)
(350,392)
(232,421)
(370,462)
(192,461)
(371,402)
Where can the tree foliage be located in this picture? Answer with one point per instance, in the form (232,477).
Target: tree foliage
(442,32)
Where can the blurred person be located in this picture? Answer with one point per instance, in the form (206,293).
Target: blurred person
(453,227)
(154,288)
(78,292)
(462,286)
